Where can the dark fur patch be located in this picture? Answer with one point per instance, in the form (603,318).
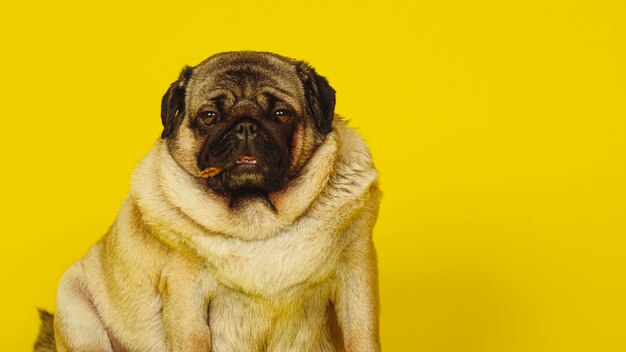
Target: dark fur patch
(45,339)
(173,103)
(320,96)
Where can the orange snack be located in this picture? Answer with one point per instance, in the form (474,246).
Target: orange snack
(210,172)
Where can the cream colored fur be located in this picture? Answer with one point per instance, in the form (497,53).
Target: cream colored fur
(301,277)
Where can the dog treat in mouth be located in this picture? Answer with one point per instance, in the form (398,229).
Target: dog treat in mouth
(210,172)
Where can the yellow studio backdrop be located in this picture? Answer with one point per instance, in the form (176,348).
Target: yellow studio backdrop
(499,128)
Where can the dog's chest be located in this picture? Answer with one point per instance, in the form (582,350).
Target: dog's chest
(305,254)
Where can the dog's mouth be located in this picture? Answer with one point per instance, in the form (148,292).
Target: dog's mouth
(247,160)
(212,171)
(230,167)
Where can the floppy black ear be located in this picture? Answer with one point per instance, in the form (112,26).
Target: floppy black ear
(173,103)
(320,96)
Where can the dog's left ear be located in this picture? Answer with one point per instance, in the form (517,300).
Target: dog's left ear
(320,96)
(173,103)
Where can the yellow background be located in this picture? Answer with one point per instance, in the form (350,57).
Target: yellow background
(498,128)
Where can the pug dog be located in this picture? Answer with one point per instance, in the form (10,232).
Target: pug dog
(248,226)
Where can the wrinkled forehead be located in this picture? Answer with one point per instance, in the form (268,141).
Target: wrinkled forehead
(246,76)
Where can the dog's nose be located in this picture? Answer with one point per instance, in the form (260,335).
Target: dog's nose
(246,130)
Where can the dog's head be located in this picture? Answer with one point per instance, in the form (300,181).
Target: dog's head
(253,118)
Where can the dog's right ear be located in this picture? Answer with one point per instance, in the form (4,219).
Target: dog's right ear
(173,103)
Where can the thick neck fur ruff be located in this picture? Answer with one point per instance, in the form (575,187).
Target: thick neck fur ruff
(257,249)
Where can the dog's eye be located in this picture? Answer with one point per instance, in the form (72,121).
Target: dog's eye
(208,117)
(282,115)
